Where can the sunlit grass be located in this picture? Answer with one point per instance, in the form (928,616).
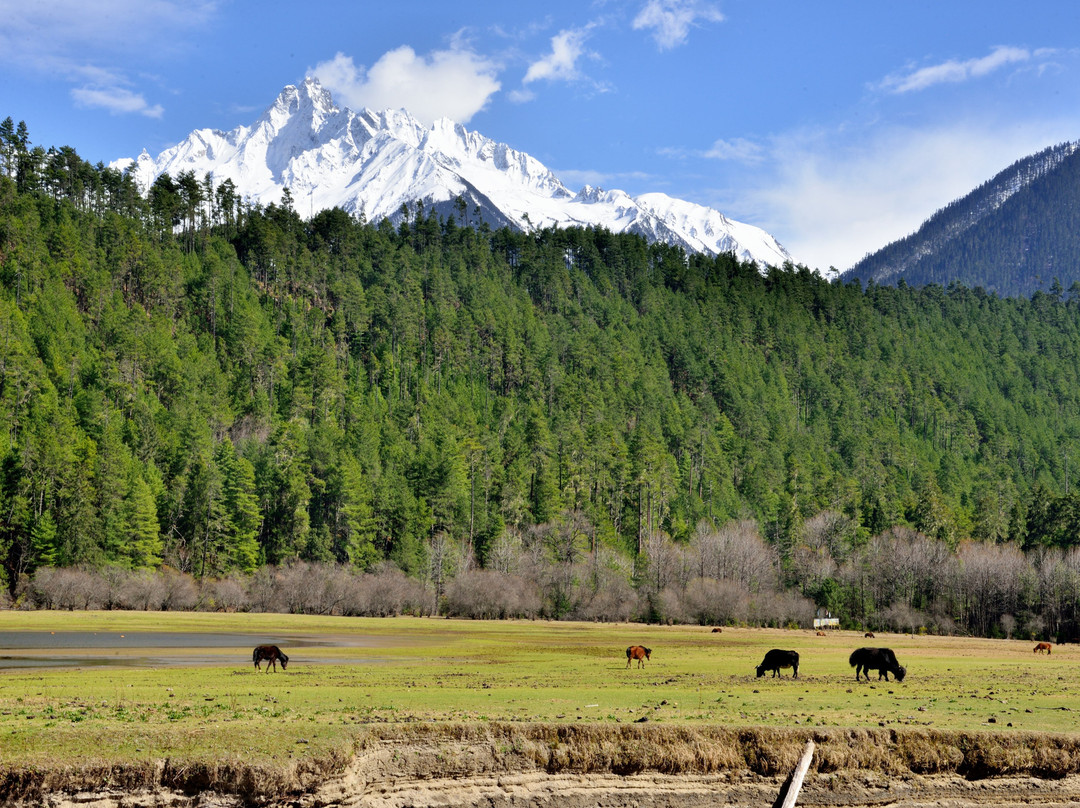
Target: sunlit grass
(401,670)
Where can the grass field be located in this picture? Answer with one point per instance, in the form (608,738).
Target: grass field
(437,670)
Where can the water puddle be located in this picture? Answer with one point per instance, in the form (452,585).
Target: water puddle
(23,650)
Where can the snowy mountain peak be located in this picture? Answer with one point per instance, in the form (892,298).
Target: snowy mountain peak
(374,162)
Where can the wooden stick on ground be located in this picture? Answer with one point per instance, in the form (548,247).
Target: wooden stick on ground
(790,791)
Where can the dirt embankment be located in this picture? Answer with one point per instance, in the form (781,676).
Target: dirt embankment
(519,765)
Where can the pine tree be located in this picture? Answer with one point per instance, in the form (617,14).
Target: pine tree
(144,545)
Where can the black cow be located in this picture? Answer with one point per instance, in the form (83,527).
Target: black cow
(882,660)
(776,659)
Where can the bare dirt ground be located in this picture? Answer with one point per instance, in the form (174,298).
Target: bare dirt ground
(586,767)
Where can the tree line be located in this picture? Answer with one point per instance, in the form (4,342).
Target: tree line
(194,383)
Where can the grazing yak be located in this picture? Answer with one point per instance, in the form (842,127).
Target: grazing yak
(776,659)
(882,660)
(638,652)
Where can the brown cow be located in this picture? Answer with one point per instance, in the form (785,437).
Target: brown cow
(1043,647)
(638,652)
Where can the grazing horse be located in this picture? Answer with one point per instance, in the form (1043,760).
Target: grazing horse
(1043,647)
(272,654)
(638,652)
(869,635)
(717,630)
(822,634)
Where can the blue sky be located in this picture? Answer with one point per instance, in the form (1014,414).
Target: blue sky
(837,126)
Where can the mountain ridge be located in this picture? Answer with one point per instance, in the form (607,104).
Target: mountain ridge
(372,163)
(1011,235)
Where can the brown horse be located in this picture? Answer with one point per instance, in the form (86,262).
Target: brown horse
(869,635)
(272,654)
(1043,647)
(717,630)
(822,634)
(638,652)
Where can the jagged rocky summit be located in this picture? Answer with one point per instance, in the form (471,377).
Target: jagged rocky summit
(371,163)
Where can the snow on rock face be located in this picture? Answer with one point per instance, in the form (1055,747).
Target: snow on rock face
(374,162)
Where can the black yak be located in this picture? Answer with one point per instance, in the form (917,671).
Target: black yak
(882,660)
(776,659)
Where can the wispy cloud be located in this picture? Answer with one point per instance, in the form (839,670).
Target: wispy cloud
(576,178)
(738,149)
(455,83)
(116,100)
(955,72)
(670,21)
(567,47)
(79,40)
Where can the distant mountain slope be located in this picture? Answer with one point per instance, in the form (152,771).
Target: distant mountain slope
(1012,235)
(372,163)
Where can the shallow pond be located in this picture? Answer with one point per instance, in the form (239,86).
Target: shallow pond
(136,649)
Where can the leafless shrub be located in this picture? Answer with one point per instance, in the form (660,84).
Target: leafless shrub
(506,552)
(668,606)
(180,591)
(68,588)
(617,602)
(735,552)
(1034,626)
(710,602)
(315,588)
(830,532)
(663,559)
(901,618)
(264,593)
(992,577)
(604,592)
(143,591)
(113,581)
(487,594)
(226,594)
(781,609)
(1008,625)
(387,592)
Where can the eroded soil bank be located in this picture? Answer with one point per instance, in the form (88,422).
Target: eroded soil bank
(516,765)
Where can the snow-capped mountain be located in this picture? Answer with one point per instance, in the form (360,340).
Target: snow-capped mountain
(372,163)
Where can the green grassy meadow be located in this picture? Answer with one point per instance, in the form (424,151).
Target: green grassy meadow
(438,670)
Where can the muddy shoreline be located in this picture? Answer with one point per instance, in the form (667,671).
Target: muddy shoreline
(519,765)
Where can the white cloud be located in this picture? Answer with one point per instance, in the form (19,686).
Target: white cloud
(671,20)
(561,64)
(954,72)
(455,83)
(575,178)
(738,149)
(831,206)
(116,100)
(521,96)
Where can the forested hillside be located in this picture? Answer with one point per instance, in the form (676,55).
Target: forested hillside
(1013,235)
(192,382)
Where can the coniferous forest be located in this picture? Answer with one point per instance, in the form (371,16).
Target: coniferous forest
(566,423)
